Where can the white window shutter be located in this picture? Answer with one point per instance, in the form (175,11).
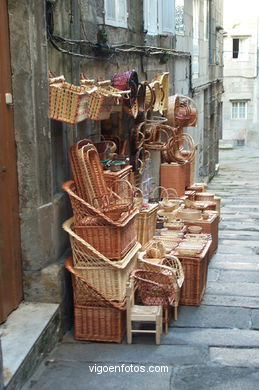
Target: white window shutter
(110,10)
(116,12)
(151,16)
(167,16)
(122,12)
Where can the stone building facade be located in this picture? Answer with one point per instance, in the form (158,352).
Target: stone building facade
(240,100)
(193,39)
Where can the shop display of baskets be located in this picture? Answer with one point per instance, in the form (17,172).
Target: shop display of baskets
(111,222)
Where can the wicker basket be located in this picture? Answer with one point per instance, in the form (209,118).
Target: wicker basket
(113,242)
(146,223)
(68,103)
(195,272)
(173,175)
(205,196)
(97,319)
(109,277)
(112,177)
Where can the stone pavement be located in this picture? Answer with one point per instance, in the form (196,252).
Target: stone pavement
(213,346)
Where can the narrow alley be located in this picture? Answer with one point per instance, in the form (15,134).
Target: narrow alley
(213,346)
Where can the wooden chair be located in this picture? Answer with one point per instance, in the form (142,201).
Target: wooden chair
(142,314)
(171,266)
(155,289)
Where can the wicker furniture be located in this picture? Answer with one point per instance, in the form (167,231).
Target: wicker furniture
(155,289)
(95,317)
(140,313)
(109,277)
(171,266)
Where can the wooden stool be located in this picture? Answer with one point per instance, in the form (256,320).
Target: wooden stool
(143,314)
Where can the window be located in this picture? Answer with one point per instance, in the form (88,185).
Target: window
(159,17)
(206,19)
(195,50)
(116,13)
(179,16)
(240,50)
(239,110)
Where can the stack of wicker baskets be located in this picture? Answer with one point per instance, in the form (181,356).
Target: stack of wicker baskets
(103,236)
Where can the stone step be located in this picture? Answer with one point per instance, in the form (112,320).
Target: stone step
(238,357)
(241,235)
(212,337)
(29,333)
(243,289)
(230,301)
(246,266)
(213,317)
(235,276)
(124,353)
(241,226)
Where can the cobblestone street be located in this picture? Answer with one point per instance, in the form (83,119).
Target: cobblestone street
(213,346)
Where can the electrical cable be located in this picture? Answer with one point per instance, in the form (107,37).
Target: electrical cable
(103,48)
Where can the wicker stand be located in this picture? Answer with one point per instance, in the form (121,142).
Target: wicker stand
(195,274)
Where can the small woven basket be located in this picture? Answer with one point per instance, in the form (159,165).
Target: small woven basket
(68,103)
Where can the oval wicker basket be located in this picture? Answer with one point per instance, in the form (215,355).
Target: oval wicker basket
(189,214)
(205,196)
(194,229)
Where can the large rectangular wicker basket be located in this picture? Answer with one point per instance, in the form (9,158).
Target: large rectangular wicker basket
(97,319)
(195,277)
(113,242)
(146,224)
(107,276)
(99,323)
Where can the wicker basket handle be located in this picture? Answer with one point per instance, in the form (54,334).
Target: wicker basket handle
(91,209)
(163,190)
(134,190)
(173,190)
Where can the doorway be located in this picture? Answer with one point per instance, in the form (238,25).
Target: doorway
(10,246)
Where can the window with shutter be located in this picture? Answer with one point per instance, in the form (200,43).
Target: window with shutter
(159,16)
(151,17)
(167,16)
(116,13)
